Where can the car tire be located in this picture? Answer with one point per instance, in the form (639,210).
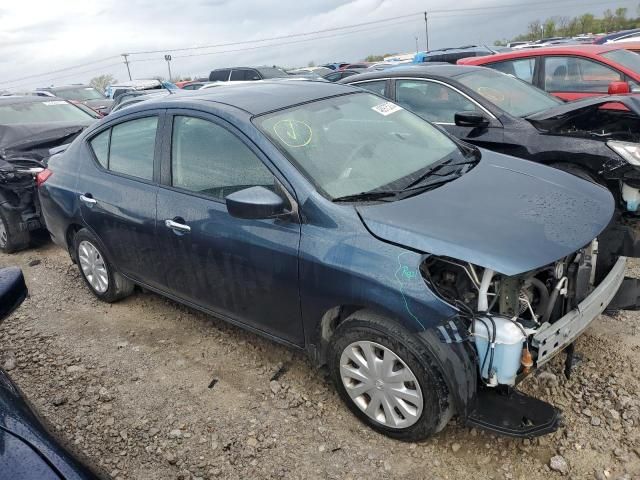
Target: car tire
(410,410)
(12,239)
(97,272)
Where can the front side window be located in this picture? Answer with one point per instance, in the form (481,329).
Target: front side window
(239,75)
(573,74)
(376,87)
(208,159)
(521,68)
(432,101)
(512,95)
(626,58)
(219,75)
(356,143)
(128,147)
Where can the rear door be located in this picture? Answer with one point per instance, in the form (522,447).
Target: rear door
(246,270)
(118,189)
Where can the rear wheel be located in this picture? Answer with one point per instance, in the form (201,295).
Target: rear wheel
(98,273)
(12,238)
(387,378)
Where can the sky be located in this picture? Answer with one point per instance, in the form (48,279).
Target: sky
(38,36)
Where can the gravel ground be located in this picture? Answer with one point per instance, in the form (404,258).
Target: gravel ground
(149,389)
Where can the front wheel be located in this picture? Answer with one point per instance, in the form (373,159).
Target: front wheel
(98,273)
(387,379)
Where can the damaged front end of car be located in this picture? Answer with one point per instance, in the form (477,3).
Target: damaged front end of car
(614,121)
(518,323)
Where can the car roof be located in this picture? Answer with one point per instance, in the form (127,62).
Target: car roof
(16,99)
(582,50)
(136,83)
(262,96)
(416,70)
(58,88)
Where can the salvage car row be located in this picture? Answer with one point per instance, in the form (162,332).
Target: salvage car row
(386,227)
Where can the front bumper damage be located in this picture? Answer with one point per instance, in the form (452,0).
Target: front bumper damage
(510,412)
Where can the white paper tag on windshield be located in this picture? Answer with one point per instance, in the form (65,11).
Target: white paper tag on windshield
(386,108)
(55,102)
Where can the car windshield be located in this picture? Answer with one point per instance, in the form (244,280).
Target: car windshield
(356,143)
(625,58)
(512,95)
(41,112)
(80,94)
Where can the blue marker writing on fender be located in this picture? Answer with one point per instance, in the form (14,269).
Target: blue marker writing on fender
(406,276)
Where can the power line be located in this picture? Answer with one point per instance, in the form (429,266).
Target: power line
(53,72)
(280,37)
(258,47)
(570,4)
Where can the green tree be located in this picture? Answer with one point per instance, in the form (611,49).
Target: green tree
(101,82)
(621,18)
(311,64)
(608,20)
(534,29)
(374,58)
(549,27)
(586,22)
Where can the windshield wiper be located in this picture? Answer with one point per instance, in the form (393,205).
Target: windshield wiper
(372,195)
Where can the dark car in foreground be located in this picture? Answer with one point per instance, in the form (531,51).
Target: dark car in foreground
(428,275)
(29,450)
(29,128)
(84,94)
(496,111)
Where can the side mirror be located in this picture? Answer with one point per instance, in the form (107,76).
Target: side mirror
(619,88)
(471,119)
(13,290)
(255,203)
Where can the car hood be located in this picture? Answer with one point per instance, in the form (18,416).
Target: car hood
(34,140)
(505,214)
(555,117)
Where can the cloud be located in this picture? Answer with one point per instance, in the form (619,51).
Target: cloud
(36,36)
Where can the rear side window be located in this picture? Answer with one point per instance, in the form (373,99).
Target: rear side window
(208,159)
(522,68)
(375,87)
(100,147)
(219,75)
(128,147)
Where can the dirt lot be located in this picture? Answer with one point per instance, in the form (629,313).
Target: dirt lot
(131,386)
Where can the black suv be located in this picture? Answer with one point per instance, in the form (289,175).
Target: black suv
(245,74)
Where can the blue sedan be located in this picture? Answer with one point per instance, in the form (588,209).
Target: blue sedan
(428,275)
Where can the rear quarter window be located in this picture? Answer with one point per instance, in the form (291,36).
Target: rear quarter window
(100,147)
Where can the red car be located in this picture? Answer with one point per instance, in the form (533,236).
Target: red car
(571,72)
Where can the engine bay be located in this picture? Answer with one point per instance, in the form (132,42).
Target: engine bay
(601,124)
(503,313)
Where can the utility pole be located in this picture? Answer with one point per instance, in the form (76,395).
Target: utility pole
(426,29)
(416,44)
(168,59)
(126,62)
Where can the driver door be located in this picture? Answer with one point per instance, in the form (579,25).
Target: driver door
(245,270)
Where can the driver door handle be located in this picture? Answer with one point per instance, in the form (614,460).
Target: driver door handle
(180,227)
(88,200)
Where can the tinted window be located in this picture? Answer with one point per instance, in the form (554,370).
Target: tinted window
(375,87)
(333,77)
(208,159)
(219,75)
(432,101)
(100,147)
(42,112)
(521,68)
(132,147)
(192,86)
(572,74)
(239,75)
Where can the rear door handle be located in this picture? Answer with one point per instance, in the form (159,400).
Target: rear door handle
(180,227)
(88,200)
